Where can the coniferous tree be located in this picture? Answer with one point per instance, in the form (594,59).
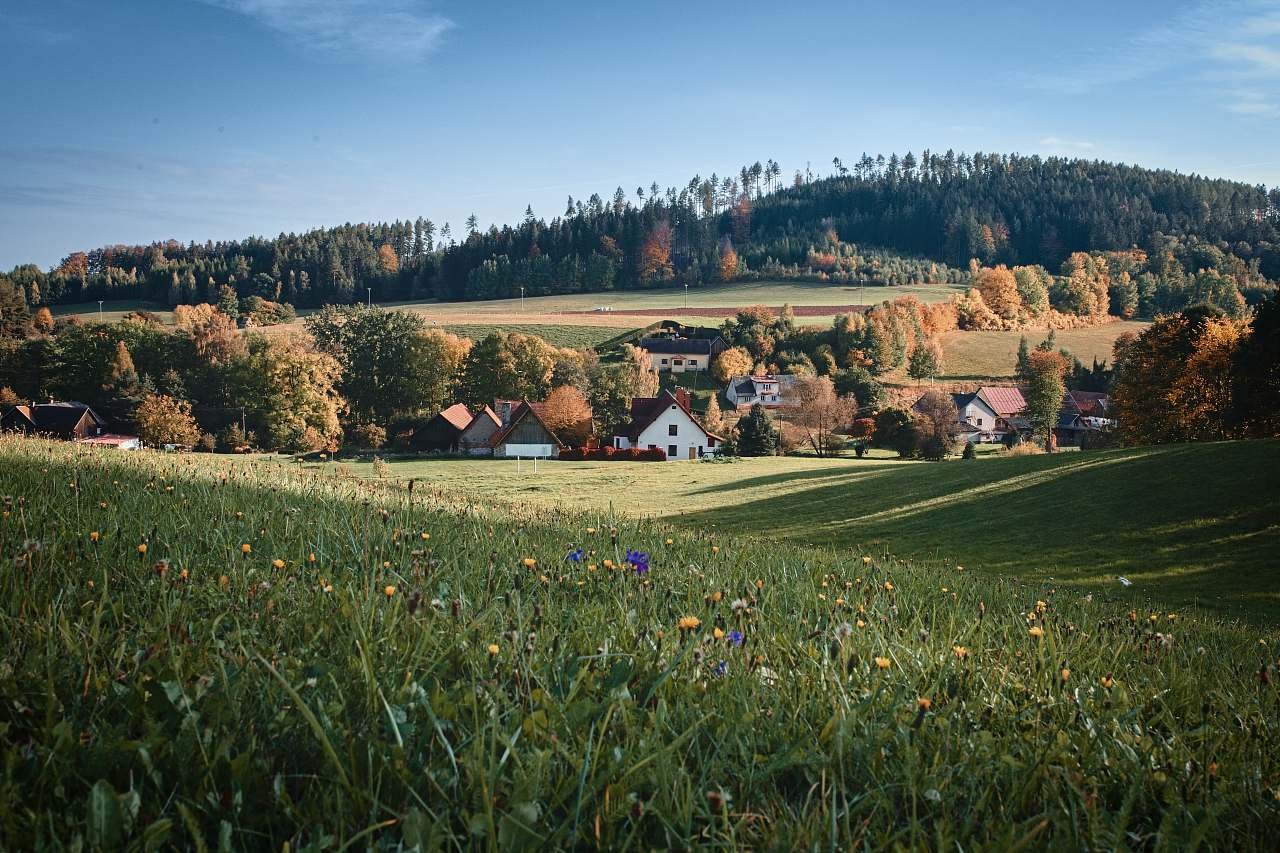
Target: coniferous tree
(756,435)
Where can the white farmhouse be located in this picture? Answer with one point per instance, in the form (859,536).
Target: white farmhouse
(769,391)
(666,422)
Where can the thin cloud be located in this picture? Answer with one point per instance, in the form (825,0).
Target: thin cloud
(1057,142)
(394,30)
(1232,45)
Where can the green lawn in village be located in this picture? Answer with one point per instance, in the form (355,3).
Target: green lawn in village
(1187,524)
(213,653)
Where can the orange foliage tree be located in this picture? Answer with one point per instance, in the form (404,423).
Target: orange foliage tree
(567,413)
(388,261)
(655,255)
(728,262)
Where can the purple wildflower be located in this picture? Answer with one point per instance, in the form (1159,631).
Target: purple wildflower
(721,669)
(639,561)
(735,637)
(574,556)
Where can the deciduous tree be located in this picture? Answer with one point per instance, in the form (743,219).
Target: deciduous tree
(164,420)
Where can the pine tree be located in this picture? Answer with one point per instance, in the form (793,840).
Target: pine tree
(756,436)
(1023,370)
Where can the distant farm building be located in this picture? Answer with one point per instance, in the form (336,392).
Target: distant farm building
(442,432)
(69,421)
(681,349)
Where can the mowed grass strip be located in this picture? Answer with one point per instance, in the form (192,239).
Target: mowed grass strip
(320,661)
(977,355)
(1187,524)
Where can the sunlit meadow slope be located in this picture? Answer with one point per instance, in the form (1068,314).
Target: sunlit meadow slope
(212,654)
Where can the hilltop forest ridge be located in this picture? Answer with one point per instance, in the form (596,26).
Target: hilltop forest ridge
(1185,239)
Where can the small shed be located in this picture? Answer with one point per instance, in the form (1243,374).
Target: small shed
(442,432)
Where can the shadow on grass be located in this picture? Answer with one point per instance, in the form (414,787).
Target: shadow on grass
(1186,523)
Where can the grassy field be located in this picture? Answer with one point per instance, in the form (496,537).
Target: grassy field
(1076,519)
(977,355)
(313,661)
(578,337)
(113,311)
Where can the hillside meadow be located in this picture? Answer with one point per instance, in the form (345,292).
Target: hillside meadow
(1078,519)
(213,653)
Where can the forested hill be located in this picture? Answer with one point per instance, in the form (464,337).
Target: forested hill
(927,216)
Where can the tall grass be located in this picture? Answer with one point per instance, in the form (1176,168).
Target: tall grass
(441,675)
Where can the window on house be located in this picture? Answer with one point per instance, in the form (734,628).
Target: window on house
(664,361)
(979,421)
(672,451)
(653,447)
(679,362)
(673,429)
(693,362)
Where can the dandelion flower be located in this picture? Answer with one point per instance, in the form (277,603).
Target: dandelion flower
(591,530)
(142,549)
(1107,681)
(715,549)
(311,558)
(882,663)
(688,623)
(860,624)
(718,633)
(277,563)
(669,540)
(1036,631)
(529,562)
(924,703)
(246,549)
(425,536)
(493,649)
(94,536)
(388,590)
(866,561)
(888,586)
(961,652)
(1065,674)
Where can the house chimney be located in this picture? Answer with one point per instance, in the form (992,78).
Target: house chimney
(682,397)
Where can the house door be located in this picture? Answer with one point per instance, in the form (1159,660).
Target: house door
(693,453)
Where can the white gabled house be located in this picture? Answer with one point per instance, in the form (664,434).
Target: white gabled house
(666,422)
(769,390)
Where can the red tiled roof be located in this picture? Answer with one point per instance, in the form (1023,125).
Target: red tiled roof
(457,415)
(1004,400)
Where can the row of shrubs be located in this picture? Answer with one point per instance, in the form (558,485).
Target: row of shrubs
(606,454)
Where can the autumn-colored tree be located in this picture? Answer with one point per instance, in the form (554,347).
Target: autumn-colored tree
(1086,285)
(1033,286)
(43,321)
(713,420)
(925,361)
(121,372)
(1151,373)
(972,313)
(165,420)
(1201,397)
(820,412)
(74,265)
(655,255)
(735,361)
(728,262)
(432,368)
(189,316)
(999,289)
(388,261)
(567,413)
(294,389)
(935,419)
(1045,390)
(8,397)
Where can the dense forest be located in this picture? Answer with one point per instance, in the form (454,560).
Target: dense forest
(1178,239)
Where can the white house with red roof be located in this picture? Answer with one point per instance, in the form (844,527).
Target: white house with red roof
(667,423)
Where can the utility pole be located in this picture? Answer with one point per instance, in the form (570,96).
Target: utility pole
(99,310)
(369,302)
(686,296)
(522,299)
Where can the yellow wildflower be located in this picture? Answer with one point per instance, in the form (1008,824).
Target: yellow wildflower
(924,703)
(493,649)
(1107,681)
(246,549)
(277,563)
(94,536)
(529,562)
(688,623)
(1036,631)
(388,590)
(142,549)
(882,663)
(718,633)
(961,652)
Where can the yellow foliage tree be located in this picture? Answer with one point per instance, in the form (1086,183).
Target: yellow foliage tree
(165,420)
(735,361)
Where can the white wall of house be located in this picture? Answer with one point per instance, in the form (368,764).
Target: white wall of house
(983,418)
(679,362)
(689,442)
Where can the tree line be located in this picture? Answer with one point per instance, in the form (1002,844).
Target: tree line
(895,220)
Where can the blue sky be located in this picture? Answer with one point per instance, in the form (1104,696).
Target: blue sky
(127,122)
